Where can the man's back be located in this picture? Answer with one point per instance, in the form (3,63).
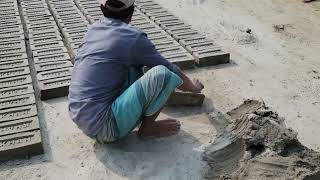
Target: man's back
(100,71)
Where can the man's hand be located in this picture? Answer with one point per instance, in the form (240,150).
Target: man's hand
(194,85)
(198,86)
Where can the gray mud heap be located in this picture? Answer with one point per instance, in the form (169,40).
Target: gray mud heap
(253,143)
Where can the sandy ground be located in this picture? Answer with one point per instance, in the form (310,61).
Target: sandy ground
(279,65)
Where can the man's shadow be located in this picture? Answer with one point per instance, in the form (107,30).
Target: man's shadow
(145,159)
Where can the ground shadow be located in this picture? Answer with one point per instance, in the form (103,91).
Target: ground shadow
(136,159)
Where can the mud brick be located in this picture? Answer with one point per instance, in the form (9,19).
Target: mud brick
(13,57)
(139,18)
(164,37)
(164,24)
(139,23)
(14,72)
(49,27)
(165,44)
(53,88)
(185,99)
(41,24)
(157,32)
(6,33)
(166,19)
(183,60)
(19,126)
(44,33)
(4,45)
(75,45)
(6,26)
(17,101)
(74,23)
(150,27)
(211,57)
(195,40)
(201,46)
(179,35)
(36,13)
(38,18)
(6,15)
(20,145)
(67,17)
(13,64)
(58,73)
(75,39)
(10,24)
(174,26)
(68,14)
(45,39)
(47,45)
(76,28)
(179,29)
(157,12)
(12,50)
(15,81)
(74,33)
(13,19)
(163,15)
(151,8)
(52,58)
(16,91)
(33,9)
(52,65)
(40,21)
(142,5)
(54,50)
(18,113)
(14,37)
(172,50)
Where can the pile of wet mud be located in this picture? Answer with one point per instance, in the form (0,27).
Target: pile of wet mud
(254,143)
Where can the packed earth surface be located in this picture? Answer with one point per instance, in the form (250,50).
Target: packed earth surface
(275,50)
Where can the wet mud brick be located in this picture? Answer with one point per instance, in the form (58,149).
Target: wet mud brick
(47,45)
(183,60)
(13,64)
(211,57)
(53,74)
(18,113)
(165,44)
(12,50)
(20,145)
(185,99)
(184,34)
(45,39)
(196,40)
(13,37)
(202,46)
(17,101)
(7,73)
(52,65)
(16,91)
(52,58)
(13,57)
(11,44)
(18,126)
(53,88)
(15,81)
(44,52)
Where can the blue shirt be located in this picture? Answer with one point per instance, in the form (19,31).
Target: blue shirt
(101,66)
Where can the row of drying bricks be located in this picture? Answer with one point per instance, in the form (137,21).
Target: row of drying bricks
(205,51)
(19,125)
(52,55)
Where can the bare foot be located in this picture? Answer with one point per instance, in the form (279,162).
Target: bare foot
(157,129)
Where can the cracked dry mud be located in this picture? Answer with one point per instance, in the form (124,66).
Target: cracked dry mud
(254,143)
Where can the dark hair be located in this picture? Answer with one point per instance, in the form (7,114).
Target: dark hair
(117,15)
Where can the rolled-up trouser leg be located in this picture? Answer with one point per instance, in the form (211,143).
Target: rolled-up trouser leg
(144,97)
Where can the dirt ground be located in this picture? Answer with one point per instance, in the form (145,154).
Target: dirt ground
(275,50)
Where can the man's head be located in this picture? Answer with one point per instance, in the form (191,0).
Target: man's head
(118,9)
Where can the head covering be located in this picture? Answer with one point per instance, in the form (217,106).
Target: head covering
(127,4)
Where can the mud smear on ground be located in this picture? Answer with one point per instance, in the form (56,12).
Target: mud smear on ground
(253,143)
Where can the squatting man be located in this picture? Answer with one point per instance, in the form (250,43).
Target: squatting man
(109,95)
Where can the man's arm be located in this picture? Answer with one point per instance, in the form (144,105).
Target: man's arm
(145,54)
